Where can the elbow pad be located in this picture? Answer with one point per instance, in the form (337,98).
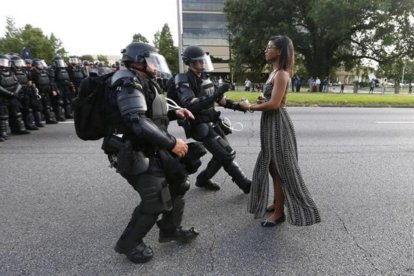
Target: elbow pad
(130,101)
(144,128)
(184,92)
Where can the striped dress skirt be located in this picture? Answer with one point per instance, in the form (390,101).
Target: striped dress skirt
(278,144)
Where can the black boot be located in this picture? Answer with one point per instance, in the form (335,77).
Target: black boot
(3,128)
(204,178)
(68,112)
(29,121)
(38,119)
(130,243)
(59,112)
(139,254)
(179,235)
(50,117)
(17,125)
(238,176)
(170,229)
(207,184)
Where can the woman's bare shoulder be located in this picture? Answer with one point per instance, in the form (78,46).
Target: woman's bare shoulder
(281,75)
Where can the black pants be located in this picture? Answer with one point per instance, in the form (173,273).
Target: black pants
(223,156)
(151,187)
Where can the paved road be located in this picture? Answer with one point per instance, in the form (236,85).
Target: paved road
(63,208)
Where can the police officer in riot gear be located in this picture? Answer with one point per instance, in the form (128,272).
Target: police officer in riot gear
(65,89)
(196,92)
(76,74)
(41,79)
(146,154)
(29,97)
(86,67)
(10,107)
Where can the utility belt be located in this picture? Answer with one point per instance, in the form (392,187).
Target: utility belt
(123,157)
(126,160)
(208,116)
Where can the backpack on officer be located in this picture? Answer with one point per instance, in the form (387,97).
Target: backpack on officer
(89,107)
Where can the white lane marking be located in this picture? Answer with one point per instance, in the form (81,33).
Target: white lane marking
(66,122)
(394,122)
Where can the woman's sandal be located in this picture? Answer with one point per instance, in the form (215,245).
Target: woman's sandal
(267,223)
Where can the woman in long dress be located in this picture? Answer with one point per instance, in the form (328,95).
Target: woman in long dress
(278,155)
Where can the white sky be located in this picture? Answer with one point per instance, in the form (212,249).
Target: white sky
(93,27)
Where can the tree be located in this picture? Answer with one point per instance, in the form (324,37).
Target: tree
(103,59)
(87,57)
(164,43)
(40,45)
(139,38)
(11,42)
(327,33)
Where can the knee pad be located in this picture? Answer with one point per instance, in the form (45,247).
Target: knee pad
(154,192)
(220,149)
(179,188)
(4,112)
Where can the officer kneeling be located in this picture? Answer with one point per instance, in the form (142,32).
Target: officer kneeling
(146,155)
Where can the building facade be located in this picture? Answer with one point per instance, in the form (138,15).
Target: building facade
(204,24)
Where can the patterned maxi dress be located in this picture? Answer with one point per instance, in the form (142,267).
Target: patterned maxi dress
(278,143)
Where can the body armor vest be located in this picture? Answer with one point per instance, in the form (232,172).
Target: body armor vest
(77,75)
(8,81)
(159,110)
(21,77)
(41,79)
(62,76)
(207,89)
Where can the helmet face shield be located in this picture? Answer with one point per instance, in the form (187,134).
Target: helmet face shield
(4,62)
(43,63)
(19,63)
(158,62)
(60,63)
(205,60)
(74,60)
(208,65)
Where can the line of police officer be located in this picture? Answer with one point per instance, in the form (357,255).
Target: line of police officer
(31,92)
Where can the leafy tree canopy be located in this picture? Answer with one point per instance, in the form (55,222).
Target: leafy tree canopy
(327,33)
(164,43)
(139,38)
(40,45)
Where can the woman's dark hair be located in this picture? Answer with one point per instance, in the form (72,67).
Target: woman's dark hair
(287,53)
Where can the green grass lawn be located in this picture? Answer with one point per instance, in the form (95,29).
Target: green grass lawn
(331,99)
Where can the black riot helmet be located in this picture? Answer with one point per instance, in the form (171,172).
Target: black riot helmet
(137,52)
(59,62)
(146,55)
(17,62)
(4,62)
(74,60)
(194,53)
(37,63)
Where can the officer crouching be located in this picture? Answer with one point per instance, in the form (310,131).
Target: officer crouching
(145,154)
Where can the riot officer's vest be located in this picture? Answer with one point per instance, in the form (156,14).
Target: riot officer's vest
(41,79)
(62,76)
(159,108)
(207,89)
(8,81)
(21,77)
(76,75)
